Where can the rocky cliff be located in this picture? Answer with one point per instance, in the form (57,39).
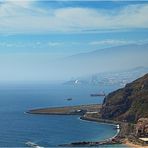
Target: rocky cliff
(129,103)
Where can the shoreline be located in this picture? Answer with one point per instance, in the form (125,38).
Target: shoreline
(82,111)
(97,122)
(133,145)
(90,113)
(113,124)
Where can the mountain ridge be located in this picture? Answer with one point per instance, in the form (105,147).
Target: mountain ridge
(129,103)
(114,48)
(107,59)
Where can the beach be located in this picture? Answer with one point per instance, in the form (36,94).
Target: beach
(133,145)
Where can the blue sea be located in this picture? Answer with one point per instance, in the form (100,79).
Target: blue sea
(17,127)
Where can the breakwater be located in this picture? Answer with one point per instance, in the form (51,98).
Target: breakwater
(67,110)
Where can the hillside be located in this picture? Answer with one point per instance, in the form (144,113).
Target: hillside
(129,103)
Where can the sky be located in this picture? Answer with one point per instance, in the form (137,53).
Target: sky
(35,34)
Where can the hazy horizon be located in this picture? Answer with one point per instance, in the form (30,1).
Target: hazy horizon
(56,40)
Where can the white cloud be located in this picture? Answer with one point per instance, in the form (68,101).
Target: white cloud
(110,42)
(23,17)
(53,44)
(115,42)
(36,44)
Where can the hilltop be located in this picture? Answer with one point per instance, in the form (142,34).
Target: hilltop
(129,103)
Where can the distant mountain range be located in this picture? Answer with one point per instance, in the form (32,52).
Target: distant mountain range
(129,103)
(124,50)
(108,59)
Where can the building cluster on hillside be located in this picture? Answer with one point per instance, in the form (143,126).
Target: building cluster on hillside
(142,129)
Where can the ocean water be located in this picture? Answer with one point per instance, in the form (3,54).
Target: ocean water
(17,127)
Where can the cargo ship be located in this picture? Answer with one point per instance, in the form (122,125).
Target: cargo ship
(69,99)
(98,95)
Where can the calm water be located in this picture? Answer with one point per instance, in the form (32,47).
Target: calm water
(16,127)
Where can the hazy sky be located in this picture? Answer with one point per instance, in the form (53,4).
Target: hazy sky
(35,34)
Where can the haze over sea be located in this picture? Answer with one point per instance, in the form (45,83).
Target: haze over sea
(17,128)
(62,40)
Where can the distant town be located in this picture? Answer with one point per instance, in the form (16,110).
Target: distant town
(120,78)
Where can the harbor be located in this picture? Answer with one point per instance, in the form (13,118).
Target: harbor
(87,112)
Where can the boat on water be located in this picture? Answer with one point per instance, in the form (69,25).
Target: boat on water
(97,95)
(69,99)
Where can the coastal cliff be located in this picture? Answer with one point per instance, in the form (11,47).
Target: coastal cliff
(126,107)
(129,103)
